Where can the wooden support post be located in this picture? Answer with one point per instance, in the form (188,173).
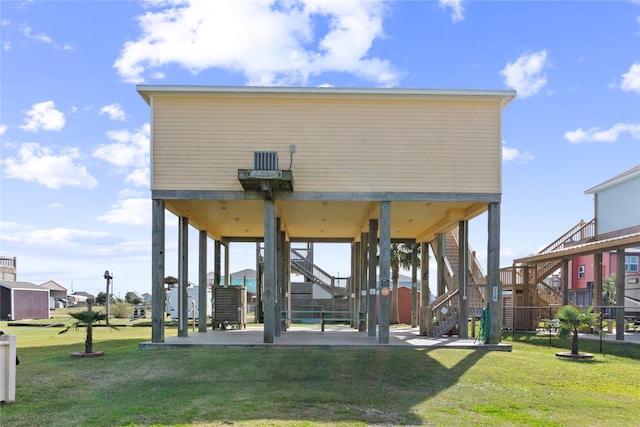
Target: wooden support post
(385,271)
(157,271)
(202,282)
(373,252)
(620,322)
(463,279)
(526,299)
(287,280)
(217,268)
(424,286)
(565,281)
(227,273)
(414,285)
(354,282)
(269,270)
(259,309)
(364,256)
(183,277)
(494,288)
(441,241)
(597,282)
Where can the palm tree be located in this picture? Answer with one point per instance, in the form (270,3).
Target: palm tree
(400,257)
(573,319)
(86,318)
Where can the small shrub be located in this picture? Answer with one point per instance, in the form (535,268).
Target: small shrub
(121,310)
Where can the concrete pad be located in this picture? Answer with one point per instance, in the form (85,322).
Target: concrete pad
(334,336)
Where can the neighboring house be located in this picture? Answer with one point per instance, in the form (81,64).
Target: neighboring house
(579,261)
(8,269)
(617,213)
(79,299)
(57,294)
(23,300)
(146,297)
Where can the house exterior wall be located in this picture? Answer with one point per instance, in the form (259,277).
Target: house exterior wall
(5,303)
(343,144)
(609,262)
(30,304)
(615,209)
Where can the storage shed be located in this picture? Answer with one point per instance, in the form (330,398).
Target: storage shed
(23,300)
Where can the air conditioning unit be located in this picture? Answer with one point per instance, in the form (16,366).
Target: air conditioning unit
(265,160)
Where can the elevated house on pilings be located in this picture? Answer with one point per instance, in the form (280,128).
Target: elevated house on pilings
(364,166)
(614,230)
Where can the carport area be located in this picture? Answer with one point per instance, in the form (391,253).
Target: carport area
(337,337)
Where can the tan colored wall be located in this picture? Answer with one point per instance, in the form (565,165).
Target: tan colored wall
(351,144)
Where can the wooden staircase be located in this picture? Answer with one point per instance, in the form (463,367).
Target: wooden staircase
(540,294)
(442,316)
(301,264)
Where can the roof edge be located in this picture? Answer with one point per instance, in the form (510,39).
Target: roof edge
(624,176)
(146,91)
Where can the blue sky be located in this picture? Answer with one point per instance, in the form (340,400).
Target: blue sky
(75,133)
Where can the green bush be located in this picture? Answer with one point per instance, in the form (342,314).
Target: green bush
(121,310)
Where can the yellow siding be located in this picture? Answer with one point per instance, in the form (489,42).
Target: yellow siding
(342,144)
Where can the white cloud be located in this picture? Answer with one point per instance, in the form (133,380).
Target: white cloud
(59,238)
(114,111)
(139,177)
(526,74)
(457,10)
(3,129)
(509,154)
(26,30)
(54,170)
(595,134)
(631,79)
(128,150)
(269,42)
(54,205)
(43,115)
(129,211)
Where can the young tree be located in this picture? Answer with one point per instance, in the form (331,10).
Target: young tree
(573,319)
(400,258)
(132,298)
(86,318)
(101,298)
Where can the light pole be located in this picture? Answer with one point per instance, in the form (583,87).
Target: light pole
(108,277)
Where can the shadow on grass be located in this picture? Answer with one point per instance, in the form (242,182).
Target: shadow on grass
(191,386)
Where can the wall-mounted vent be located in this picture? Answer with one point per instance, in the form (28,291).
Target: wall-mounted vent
(265,160)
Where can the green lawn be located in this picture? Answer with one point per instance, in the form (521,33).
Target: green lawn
(128,386)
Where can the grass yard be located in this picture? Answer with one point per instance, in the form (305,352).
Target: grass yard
(132,387)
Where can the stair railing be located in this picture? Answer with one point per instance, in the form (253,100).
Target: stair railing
(298,261)
(577,234)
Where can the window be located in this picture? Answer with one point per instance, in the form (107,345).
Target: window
(581,272)
(631,264)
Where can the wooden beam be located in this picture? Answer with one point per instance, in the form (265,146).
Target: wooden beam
(373,264)
(157,271)
(494,287)
(463,279)
(385,271)
(202,281)
(620,295)
(269,270)
(183,276)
